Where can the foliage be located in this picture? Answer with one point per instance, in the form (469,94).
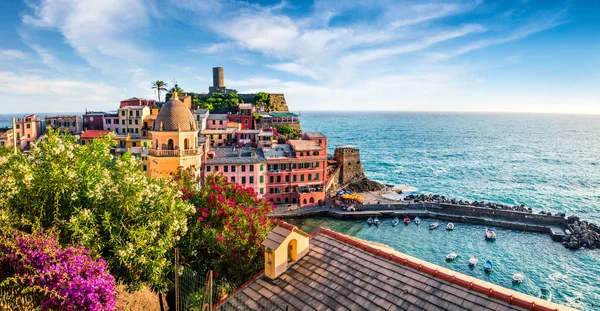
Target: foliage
(226,232)
(159,86)
(180,91)
(35,266)
(261,99)
(287,132)
(218,101)
(102,202)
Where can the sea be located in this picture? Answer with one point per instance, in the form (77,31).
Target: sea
(547,162)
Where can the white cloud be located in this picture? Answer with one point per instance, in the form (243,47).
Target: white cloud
(12,55)
(296,69)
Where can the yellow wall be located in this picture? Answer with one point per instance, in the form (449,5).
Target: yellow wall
(276,261)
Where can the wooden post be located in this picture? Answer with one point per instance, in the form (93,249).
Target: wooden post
(176,279)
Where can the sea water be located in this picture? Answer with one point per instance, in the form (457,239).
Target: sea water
(549,162)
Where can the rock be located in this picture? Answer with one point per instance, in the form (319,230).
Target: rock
(573,245)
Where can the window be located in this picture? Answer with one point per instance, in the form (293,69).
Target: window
(107,121)
(136,122)
(271,192)
(220,122)
(123,122)
(301,154)
(287,189)
(294,178)
(122,113)
(134,144)
(287,178)
(216,168)
(271,179)
(309,177)
(261,167)
(262,179)
(294,189)
(232,178)
(244,180)
(123,129)
(28,136)
(130,113)
(233,168)
(28,126)
(220,136)
(246,121)
(301,177)
(208,168)
(278,179)
(137,113)
(129,122)
(137,130)
(18,126)
(225,168)
(251,167)
(262,190)
(243,168)
(317,176)
(294,166)
(145,168)
(251,179)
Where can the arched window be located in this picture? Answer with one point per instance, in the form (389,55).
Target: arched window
(312,200)
(304,201)
(170,144)
(292,252)
(186,144)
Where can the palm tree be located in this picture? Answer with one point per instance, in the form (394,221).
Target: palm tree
(159,86)
(179,90)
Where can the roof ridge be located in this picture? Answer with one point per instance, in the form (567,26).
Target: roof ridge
(471,283)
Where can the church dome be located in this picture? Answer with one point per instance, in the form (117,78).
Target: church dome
(175,116)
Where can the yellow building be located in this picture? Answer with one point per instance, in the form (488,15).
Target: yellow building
(174,140)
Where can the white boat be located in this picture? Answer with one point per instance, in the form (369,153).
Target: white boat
(451,256)
(376,222)
(395,222)
(450,226)
(490,234)
(473,261)
(417,220)
(518,278)
(545,294)
(434,225)
(370,221)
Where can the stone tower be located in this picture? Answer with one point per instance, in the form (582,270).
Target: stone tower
(218,81)
(348,158)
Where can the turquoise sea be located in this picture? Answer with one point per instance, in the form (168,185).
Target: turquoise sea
(549,162)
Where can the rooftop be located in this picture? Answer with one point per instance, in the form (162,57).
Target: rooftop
(245,106)
(305,145)
(278,151)
(346,273)
(315,135)
(233,155)
(217,116)
(200,111)
(90,134)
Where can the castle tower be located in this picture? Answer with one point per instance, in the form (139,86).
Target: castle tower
(218,81)
(348,158)
(174,140)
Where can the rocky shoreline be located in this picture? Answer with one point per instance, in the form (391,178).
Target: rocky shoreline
(583,234)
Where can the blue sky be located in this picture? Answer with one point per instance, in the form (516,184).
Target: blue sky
(471,55)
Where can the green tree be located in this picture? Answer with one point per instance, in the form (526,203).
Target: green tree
(220,101)
(226,232)
(159,86)
(287,131)
(261,99)
(96,200)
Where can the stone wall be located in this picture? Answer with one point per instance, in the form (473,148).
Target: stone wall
(348,158)
(279,101)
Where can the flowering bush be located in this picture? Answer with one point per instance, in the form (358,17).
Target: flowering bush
(64,279)
(94,199)
(227,230)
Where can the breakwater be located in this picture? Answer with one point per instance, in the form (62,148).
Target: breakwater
(561,229)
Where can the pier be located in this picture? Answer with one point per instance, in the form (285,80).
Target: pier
(554,225)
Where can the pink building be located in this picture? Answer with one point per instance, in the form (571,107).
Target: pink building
(245,166)
(28,130)
(216,121)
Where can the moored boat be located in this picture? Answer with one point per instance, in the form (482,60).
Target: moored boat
(370,221)
(488,266)
(417,220)
(545,294)
(473,261)
(406,220)
(433,225)
(518,278)
(490,234)
(395,222)
(450,226)
(451,256)
(376,222)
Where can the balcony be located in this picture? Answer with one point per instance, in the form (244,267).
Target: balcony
(173,153)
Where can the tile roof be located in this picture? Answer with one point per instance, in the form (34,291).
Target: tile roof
(217,116)
(345,273)
(231,155)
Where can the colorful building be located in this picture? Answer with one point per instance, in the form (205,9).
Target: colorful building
(201,116)
(217,121)
(245,166)
(87,136)
(223,137)
(93,120)
(72,124)
(243,114)
(112,122)
(247,138)
(134,101)
(297,171)
(27,130)
(131,120)
(175,141)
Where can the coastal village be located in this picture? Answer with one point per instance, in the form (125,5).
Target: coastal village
(257,143)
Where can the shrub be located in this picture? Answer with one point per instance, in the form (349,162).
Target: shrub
(35,266)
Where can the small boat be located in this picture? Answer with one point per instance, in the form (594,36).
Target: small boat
(377,222)
(473,261)
(395,222)
(451,256)
(417,220)
(488,266)
(545,294)
(518,278)
(433,225)
(450,226)
(370,221)
(490,234)
(406,220)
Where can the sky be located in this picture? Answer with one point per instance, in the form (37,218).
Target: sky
(464,55)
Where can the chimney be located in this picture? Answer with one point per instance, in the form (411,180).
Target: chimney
(284,246)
